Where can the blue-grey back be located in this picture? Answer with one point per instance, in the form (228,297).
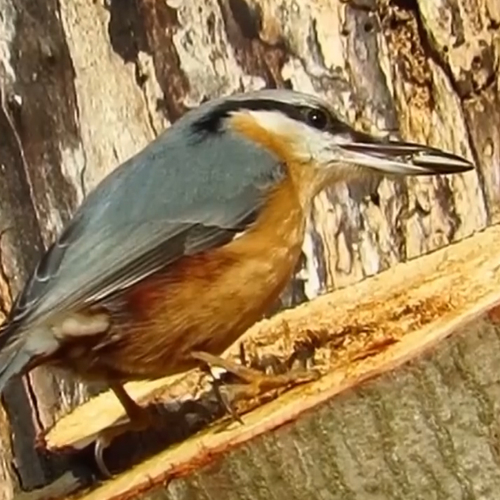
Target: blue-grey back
(179,181)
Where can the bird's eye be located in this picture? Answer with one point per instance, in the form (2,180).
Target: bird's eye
(317,118)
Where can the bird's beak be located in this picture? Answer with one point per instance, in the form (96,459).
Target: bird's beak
(405,158)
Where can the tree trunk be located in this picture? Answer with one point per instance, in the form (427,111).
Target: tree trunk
(84,85)
(374,424)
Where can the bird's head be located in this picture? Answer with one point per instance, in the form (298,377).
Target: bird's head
(304,130)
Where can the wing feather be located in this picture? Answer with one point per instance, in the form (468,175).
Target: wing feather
(151,211)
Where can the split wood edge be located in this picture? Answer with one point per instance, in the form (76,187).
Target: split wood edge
(416,304)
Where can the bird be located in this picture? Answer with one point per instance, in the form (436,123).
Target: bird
(180,249)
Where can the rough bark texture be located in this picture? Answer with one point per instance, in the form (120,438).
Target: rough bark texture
(84,85)
(437,411)
(429,430)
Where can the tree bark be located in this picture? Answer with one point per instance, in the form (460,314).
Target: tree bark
(405,407)
(84,85)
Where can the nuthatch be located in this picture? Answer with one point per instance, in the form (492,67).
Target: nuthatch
(184,246)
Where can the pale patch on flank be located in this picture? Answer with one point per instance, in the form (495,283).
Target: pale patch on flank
(41,341)
(78,325)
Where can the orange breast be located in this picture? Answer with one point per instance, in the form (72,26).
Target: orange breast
(205,302)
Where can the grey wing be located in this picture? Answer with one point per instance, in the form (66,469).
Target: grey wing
(117,260)
(144,217)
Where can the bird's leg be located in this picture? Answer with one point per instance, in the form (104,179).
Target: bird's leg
(140,418)
(259,382)
(137,414)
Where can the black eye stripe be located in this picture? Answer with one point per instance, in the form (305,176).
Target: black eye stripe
(212,122)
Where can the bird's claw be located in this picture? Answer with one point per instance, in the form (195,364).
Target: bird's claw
(143,419)
(222,398)
(302,355)
(225,403)
(100,445)
(102,442)
(301,359)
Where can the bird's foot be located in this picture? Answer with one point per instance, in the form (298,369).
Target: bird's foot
(222,397)
(257,382)
(142,419)
(302,356)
